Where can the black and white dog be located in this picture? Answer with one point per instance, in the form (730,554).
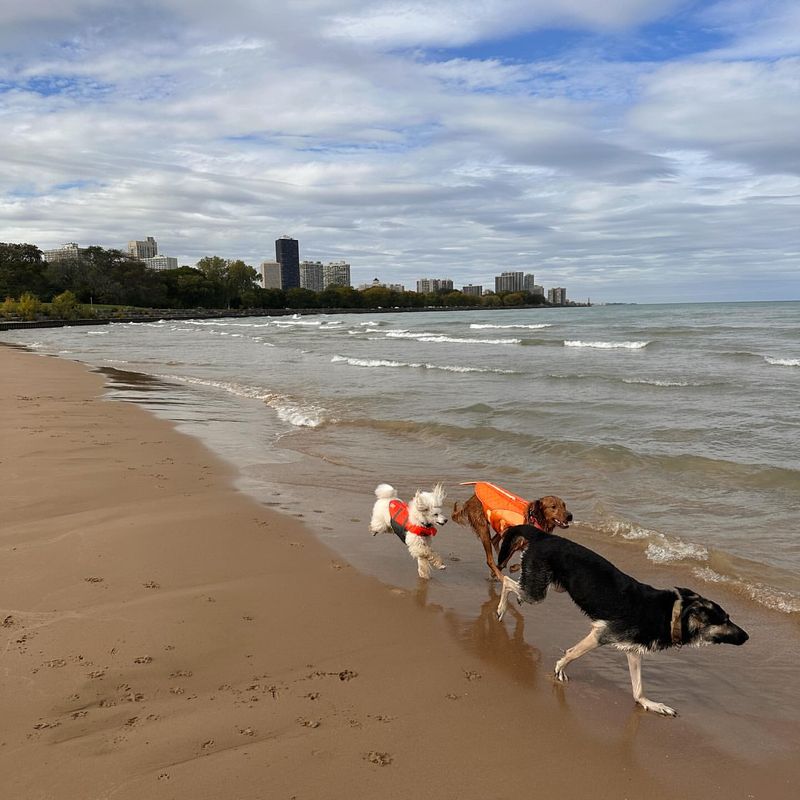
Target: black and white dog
(631,616)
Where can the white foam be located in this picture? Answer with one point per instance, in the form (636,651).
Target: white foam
(287,409)
(480,326)
(439,338)
(783,362)
(765,595)
(380,362)
(607,345)
(656,382)
(661,548)
(669,550)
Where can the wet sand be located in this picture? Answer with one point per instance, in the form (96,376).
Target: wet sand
(164,635)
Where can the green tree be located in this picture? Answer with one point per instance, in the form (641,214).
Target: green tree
(241,280)
(377,297)
(513,299)
(216,271)
(65,306)
(29,306)
(301,298)
(457,298)
(21,269)
(491,301)
(8,308)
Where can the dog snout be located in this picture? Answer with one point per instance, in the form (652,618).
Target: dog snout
(569,516)
(740,636)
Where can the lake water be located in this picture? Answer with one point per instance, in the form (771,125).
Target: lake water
(673,430)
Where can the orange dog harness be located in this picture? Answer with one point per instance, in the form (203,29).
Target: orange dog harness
(398,513)
(502,508)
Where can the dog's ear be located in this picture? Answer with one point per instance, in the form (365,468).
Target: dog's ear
(535,513)
(688,595)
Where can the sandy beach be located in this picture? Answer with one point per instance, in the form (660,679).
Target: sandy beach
(166,636)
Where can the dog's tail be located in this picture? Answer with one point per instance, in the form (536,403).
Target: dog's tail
(385,492)
(511,541)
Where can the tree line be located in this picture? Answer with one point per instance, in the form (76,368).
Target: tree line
(111,277)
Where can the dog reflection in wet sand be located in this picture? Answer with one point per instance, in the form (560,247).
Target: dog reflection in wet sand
(631,616)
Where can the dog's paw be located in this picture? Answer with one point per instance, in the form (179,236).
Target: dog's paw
(560,675)
(659,708)
(500,613)
(442,566)
(515,568)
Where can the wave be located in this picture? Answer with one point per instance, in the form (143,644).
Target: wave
(381,362)
(481,326)
(606,345)
(661,548)
(783,362)
(298,414)
(654,382)
(768,596)
(437,337)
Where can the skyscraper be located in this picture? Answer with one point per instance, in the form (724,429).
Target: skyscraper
(508,282)
(287,254)
(336,273)
(271,274)
(143,249)
(311,275)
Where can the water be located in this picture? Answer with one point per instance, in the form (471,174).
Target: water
(671,429)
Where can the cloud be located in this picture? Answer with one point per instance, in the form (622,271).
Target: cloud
(217,128)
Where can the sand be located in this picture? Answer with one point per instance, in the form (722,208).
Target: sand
(165,636)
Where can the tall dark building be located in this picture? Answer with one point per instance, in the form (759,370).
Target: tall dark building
(287,254)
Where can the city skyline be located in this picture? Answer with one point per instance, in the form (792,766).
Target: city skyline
(637,150)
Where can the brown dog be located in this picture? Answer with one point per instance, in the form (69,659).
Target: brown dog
(492,508)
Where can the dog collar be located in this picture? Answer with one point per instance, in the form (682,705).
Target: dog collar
(675,627)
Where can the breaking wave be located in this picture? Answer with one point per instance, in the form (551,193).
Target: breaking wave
(783,362)
(481,326)
(436,337)
(381,362)
(606,345)
(288,410)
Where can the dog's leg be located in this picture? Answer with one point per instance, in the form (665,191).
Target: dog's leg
(436,560)
(635,667)
(584,646)
(423,567)
(509,585)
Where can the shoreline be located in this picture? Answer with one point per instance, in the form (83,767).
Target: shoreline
(169,636)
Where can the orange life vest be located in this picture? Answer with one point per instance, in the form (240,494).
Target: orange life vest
(398,513)
(502,508)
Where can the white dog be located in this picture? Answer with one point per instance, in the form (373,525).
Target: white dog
(413,522)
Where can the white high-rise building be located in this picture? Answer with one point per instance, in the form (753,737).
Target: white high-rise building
(336,273)
(271,275)
(67,252)
(509,282)
(141,250)
(557,296)
(428,285)
(472,290)
(160,262)
(311,275)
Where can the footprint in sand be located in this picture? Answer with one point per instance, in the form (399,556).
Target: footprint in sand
(471,675)
(379,759)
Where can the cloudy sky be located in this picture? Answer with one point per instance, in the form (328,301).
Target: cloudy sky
(629,150)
